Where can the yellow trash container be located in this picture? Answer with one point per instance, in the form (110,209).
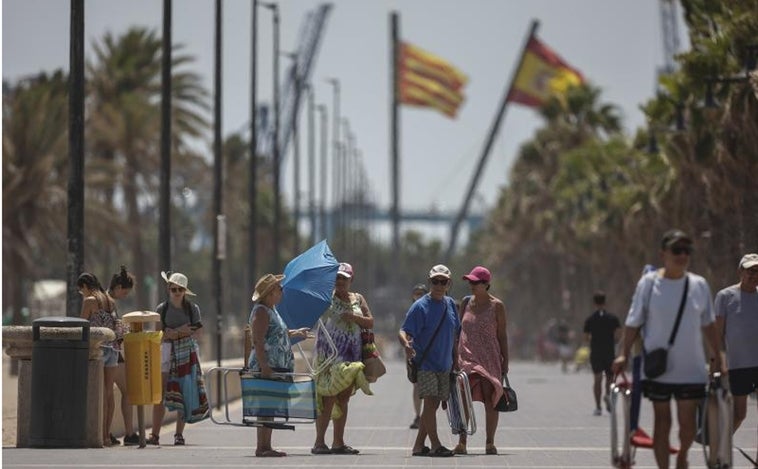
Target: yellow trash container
(142,354)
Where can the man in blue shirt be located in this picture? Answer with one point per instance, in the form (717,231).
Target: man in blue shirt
(429,334)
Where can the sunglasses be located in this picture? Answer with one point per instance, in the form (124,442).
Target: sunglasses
(677,250)
(176,289)
(476,282)
(439,281)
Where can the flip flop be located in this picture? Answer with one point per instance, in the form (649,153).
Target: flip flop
(441,452)
(424,451)
(270,453)
(345,449)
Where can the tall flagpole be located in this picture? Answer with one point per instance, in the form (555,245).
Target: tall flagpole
(394,136)
(488,145)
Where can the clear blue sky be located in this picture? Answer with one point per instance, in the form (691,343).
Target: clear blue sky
(615,43)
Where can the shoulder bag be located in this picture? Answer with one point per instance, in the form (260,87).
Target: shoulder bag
(656,360)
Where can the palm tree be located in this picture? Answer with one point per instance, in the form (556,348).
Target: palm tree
(124,127)
(35,114)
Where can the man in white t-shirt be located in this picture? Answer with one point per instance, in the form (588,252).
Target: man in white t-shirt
(737,323)
(653,314)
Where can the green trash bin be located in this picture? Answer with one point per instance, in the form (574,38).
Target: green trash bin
(59,384)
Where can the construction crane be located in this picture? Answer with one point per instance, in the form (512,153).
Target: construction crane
(670,35)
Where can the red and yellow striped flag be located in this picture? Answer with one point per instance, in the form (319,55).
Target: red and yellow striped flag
(428,80)
(543,74)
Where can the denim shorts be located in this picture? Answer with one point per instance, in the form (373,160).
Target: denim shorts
(110,357)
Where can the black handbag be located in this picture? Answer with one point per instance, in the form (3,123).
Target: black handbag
(411,369)
(508,401)
(656,361)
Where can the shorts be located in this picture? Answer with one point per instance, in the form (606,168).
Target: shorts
(601,364)
(662,392)
(110,357)
(165,357)
(434,384)
(743,381)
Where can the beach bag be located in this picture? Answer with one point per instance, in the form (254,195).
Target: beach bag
(374,366)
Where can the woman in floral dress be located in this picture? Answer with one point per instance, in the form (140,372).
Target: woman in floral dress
(348,314)
(272,349)
(483,351)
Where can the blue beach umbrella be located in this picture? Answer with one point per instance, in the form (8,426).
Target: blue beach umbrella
(307,286)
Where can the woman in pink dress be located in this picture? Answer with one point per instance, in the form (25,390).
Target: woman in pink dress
(483,351)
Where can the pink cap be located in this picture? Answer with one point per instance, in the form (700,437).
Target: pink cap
(346,270)
(478,273)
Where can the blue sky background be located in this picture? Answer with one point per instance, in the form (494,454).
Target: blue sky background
(615,43)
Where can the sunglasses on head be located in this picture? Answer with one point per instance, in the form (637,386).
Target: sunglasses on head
(176,289)
(476,282)
(676,250)
(439,281)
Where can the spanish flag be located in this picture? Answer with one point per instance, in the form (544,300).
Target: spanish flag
(543,74)
(427,80)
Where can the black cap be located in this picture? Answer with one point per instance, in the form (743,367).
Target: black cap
(674,236)
(420,286)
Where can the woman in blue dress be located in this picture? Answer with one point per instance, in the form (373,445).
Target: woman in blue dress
(272,350)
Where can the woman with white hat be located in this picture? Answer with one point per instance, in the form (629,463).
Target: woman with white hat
(180,321)
(272,349)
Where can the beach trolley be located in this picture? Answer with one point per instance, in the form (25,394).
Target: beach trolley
(460,406)
(716,423)
(622,450)
(287,399)
(624,439)
(281,402)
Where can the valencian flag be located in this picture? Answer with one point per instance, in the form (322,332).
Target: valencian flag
(427,80)
(543,74)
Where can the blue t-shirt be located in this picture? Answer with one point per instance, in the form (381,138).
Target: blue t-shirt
(421,321)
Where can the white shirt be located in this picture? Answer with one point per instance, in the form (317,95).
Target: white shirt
(686,357)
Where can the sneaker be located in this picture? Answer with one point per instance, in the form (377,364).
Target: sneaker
(415,423)
(131,440)
(114,440)
(597,412)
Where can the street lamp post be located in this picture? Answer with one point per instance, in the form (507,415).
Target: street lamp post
(335,149)
(323,172)
(312,164)
(253,186)
(295,151)
(275,145)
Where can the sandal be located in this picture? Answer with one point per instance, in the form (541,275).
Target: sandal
(269,453)
(345,449)
(441,452)
(423,452)
(153,440)
(178,439)
(321,449)
(490,449)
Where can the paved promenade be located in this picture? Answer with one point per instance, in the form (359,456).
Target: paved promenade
(553,428)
